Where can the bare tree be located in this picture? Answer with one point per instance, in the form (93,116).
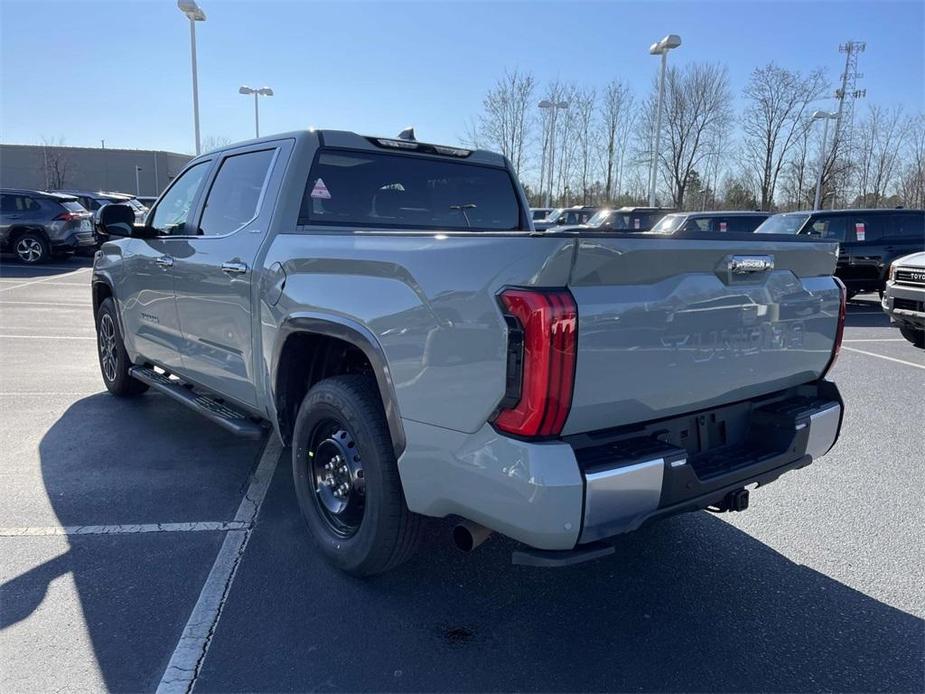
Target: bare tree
(584,105)
(912,177)
(696,114)
(616,111)
(506,118)
(58,163)
(774,120)
(880,142)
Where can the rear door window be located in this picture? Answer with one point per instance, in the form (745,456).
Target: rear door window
(233,199)
(373,189)
(908,226)
(866,227)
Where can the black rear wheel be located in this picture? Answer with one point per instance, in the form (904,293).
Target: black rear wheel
(346,478)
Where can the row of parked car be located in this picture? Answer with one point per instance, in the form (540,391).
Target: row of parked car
(869,240)
(38,225)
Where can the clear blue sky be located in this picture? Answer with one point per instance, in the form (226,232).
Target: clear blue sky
(85,70)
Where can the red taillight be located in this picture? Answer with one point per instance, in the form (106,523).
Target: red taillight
(69,216)
(549,321)
(840,328)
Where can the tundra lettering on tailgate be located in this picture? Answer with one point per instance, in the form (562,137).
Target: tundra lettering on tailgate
(738,342)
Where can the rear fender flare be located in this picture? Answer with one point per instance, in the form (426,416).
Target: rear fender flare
(359,336)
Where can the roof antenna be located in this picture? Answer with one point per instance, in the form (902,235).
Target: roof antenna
(407,134)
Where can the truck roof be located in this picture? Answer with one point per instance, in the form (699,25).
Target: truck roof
(346,139)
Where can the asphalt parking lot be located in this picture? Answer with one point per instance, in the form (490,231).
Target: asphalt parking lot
(114,513)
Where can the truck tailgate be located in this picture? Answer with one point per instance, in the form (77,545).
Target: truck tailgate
(674,325)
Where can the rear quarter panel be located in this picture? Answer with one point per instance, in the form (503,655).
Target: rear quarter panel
(429,299)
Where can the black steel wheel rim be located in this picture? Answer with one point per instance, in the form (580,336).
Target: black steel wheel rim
(338,483)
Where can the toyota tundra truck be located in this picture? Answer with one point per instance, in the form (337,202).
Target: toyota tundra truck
(386,306)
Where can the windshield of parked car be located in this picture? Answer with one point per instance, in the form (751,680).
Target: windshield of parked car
(788,223)
(375,189)
(599,218)
(669,224)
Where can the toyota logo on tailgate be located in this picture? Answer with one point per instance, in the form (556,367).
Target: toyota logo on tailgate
(744,264)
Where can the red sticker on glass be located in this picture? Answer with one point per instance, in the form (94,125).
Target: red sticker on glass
(722,226)
(321,191)
(859,230)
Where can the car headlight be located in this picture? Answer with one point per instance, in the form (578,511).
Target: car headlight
(892,272)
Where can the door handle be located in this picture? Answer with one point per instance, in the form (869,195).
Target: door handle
(165,261)
(234,268)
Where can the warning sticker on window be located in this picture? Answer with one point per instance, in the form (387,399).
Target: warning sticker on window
(635,222)
(859,230)
(320,191)
(722,226)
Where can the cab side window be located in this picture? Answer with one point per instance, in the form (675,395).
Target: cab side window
(830,228)
(235,193)
(908,226)
(171,216)
(865,228)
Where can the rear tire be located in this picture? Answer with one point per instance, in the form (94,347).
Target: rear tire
(346,478)
(114,361)
(916,337)
(31,248)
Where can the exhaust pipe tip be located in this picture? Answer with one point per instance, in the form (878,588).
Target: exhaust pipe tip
(468,535)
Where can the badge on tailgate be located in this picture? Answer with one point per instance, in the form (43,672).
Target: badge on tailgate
(744,264)
(742,268)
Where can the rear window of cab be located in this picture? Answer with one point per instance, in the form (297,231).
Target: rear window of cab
(402,191)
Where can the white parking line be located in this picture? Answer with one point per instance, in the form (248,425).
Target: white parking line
(880,356)
(48,337)
(190,653)
(48,280)
(55,531)
(81,304)
(877,339)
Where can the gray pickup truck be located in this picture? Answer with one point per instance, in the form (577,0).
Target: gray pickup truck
(387,307)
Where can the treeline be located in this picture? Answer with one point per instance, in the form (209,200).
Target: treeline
(765,156)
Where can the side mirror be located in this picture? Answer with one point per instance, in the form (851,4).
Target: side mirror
(117,220)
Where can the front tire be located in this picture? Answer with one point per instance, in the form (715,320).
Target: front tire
(31,248)
(916,337)
(346,478)
(114,361)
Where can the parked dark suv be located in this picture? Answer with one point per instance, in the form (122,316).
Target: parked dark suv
(869,240)
(36,225)
(722,221)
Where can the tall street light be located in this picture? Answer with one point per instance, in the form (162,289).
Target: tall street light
(826,116)
(555,106)
(262,91)
(659,48)
(195,14)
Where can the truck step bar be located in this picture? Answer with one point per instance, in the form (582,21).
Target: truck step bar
(210,407)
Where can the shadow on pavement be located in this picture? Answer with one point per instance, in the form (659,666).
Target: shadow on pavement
(12,268)
(108,461)
(689,604)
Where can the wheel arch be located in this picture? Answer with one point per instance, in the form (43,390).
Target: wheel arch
(335,345)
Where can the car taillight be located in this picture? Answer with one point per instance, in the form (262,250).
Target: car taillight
(840,328)
(541,361)
(69,216)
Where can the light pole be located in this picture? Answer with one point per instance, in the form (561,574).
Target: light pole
(555,106)
(262,91)
(826,116)
(195,14)
(659,48)
(137,180)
